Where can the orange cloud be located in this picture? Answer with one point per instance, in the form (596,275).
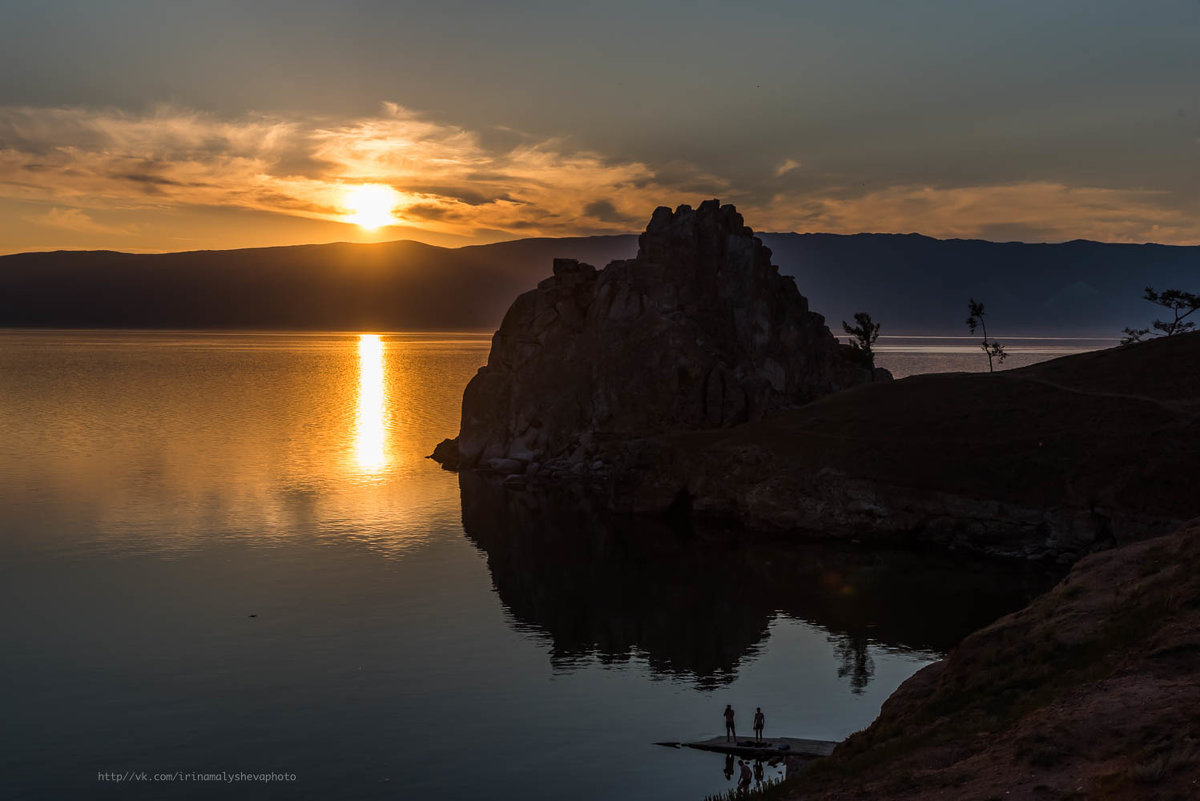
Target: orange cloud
(456,182)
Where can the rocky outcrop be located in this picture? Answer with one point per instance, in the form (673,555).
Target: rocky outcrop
(1091,691)
(698,331)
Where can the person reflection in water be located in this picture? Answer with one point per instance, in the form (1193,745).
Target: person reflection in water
(729,767)
(759,721)
(729,731)
(758,772)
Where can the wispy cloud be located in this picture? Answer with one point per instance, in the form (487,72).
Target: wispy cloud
(787,166)
(1031,211)
(75,220)
(461,182)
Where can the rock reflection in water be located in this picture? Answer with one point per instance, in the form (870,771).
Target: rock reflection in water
(695,604)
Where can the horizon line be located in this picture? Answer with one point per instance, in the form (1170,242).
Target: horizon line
(575,236)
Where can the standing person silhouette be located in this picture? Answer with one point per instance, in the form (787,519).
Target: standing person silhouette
(760,720)
(729,731)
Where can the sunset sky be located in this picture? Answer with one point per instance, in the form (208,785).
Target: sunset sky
(136,125)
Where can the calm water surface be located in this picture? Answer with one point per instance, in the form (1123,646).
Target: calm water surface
(909,355)
(227,552)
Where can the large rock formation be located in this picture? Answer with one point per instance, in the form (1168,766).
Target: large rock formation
(699,331)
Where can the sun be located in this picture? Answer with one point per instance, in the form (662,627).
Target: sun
(371,205)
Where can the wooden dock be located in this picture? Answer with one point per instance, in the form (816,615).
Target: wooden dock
(767,748)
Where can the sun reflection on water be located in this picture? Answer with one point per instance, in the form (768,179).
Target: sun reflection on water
(371,437)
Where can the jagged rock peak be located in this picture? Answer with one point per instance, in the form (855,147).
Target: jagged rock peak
(679,234)
(698,331)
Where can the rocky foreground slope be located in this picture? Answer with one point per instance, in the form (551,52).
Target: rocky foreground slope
(1090,692)
(699,331)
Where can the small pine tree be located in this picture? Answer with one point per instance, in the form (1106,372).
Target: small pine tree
(993,350)
(1181,305)
(863,337)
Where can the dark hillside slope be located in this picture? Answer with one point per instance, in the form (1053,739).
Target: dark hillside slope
(1049,461)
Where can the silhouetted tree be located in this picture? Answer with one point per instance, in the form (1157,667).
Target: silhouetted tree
(863,337)
(993,350)
(1181,305)
(854,654)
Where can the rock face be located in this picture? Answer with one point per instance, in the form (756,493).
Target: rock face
(699,331)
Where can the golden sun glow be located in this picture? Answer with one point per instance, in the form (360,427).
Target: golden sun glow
(371,437)
(371,205)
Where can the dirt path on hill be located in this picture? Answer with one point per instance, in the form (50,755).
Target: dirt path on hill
(1177,407)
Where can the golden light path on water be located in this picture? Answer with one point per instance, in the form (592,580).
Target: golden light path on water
(370,440)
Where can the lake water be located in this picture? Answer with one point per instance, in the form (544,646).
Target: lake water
(226,553)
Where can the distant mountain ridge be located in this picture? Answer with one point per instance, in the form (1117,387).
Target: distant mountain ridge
(911,283)
(342,286)
(917,284)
